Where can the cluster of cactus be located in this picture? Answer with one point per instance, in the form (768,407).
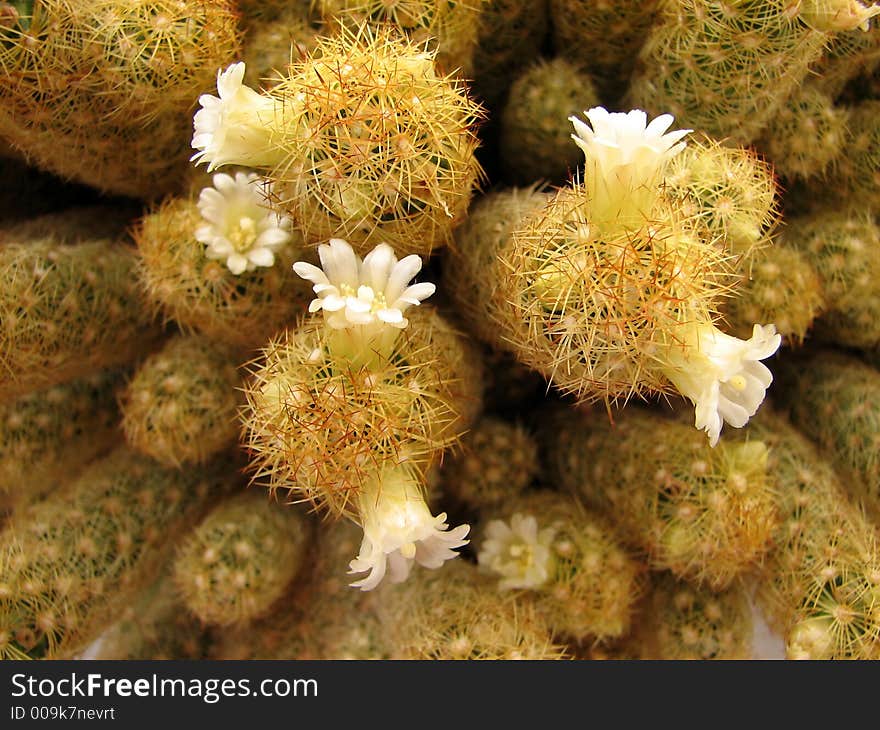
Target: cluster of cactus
(707,515)
(73,559)
(819,583)
(263,309)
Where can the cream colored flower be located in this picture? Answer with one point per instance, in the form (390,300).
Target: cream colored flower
(240,227)
(364,300)
(519,553)
(625,161)
(399,530)
(720,374)
(236,127)
(838,15)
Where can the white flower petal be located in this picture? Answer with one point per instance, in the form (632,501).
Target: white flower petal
(237,263)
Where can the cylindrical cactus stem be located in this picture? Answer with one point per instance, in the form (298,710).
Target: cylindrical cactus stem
(706,514)
(842,246)
(820,584)
(323,618)
(511,33)
(604,37)
(48,435)
(68,310)
(450,29)
(681,621)
(847,56)
(835,399)
(727,68)
(320,430)
(456,613)
(469,273)
(154,626)
(102,91)
(202,294)
(240,559)
(75,559)
(807,135)
(732,189)
(855,179)
(783,287)
(338,622)
(364,140)
(583,582)
(272,44)
(535,134)
(180,407)
(495,462)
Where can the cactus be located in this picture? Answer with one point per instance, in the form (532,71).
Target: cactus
(448,28)
(320,430)
(807,136)
(101,91)
(72,561)
(587,309)
(180,406)
(842,246)
(583,583)
(67,310)
(511,33)
(707,515)
(783,287)
(48,435)
(455,613)
(835,399)
(240,559)
(732,189)
(156,626)
(604,37)
(685,622)
(819,584)
(496,461)
(363,140)
(201,294)
(322,617)
(848,55)
(272,44)
(535,135)
(469,276)
(855,178)
(727,68)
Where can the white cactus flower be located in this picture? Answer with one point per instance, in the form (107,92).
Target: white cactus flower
(625,161)
(365,299)
(720,374)
(520,553)
(399,530)
(240,227)
(236,127)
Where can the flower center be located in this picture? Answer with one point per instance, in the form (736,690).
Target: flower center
(243,235)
